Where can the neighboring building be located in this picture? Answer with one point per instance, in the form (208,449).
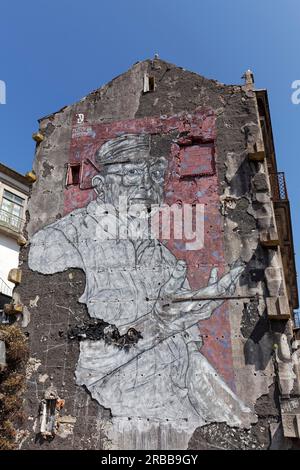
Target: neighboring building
(172,340)
(14,190)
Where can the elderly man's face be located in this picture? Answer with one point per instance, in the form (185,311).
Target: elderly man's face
(141,182)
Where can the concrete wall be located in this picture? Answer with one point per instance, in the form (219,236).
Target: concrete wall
(156,343)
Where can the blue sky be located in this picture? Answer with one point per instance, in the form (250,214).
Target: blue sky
(54,52)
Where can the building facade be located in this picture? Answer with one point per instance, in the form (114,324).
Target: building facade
(158,277)
(14,190)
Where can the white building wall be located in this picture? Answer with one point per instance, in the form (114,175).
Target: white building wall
(9,258)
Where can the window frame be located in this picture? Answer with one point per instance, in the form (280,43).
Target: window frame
(69,174)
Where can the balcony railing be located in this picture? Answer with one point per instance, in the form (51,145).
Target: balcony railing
(278,186)
(10,221)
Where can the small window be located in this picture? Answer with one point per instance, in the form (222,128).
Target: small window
(11,210)
(149,83)
(13,198)
(73,174)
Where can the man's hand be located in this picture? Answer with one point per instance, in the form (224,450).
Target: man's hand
(177,303)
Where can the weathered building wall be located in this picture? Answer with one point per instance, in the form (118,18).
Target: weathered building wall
(161,343)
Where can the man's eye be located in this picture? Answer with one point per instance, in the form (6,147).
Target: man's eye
(132,172)
(157,174)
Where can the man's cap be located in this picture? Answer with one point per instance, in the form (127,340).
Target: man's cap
(128,147)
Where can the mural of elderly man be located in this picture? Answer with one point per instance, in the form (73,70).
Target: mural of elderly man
(138,283)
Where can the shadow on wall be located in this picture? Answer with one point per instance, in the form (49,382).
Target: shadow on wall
(255,327)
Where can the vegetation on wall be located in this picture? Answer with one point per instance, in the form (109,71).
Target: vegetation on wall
(12,383)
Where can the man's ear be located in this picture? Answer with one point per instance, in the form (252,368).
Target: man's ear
(98,184)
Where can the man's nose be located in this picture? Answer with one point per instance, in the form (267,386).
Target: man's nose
(146,181)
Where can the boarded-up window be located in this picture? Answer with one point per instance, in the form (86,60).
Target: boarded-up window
(197,160)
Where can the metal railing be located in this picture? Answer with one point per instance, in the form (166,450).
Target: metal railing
(5,289)
(278,186)
(11,221)
(297,319)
